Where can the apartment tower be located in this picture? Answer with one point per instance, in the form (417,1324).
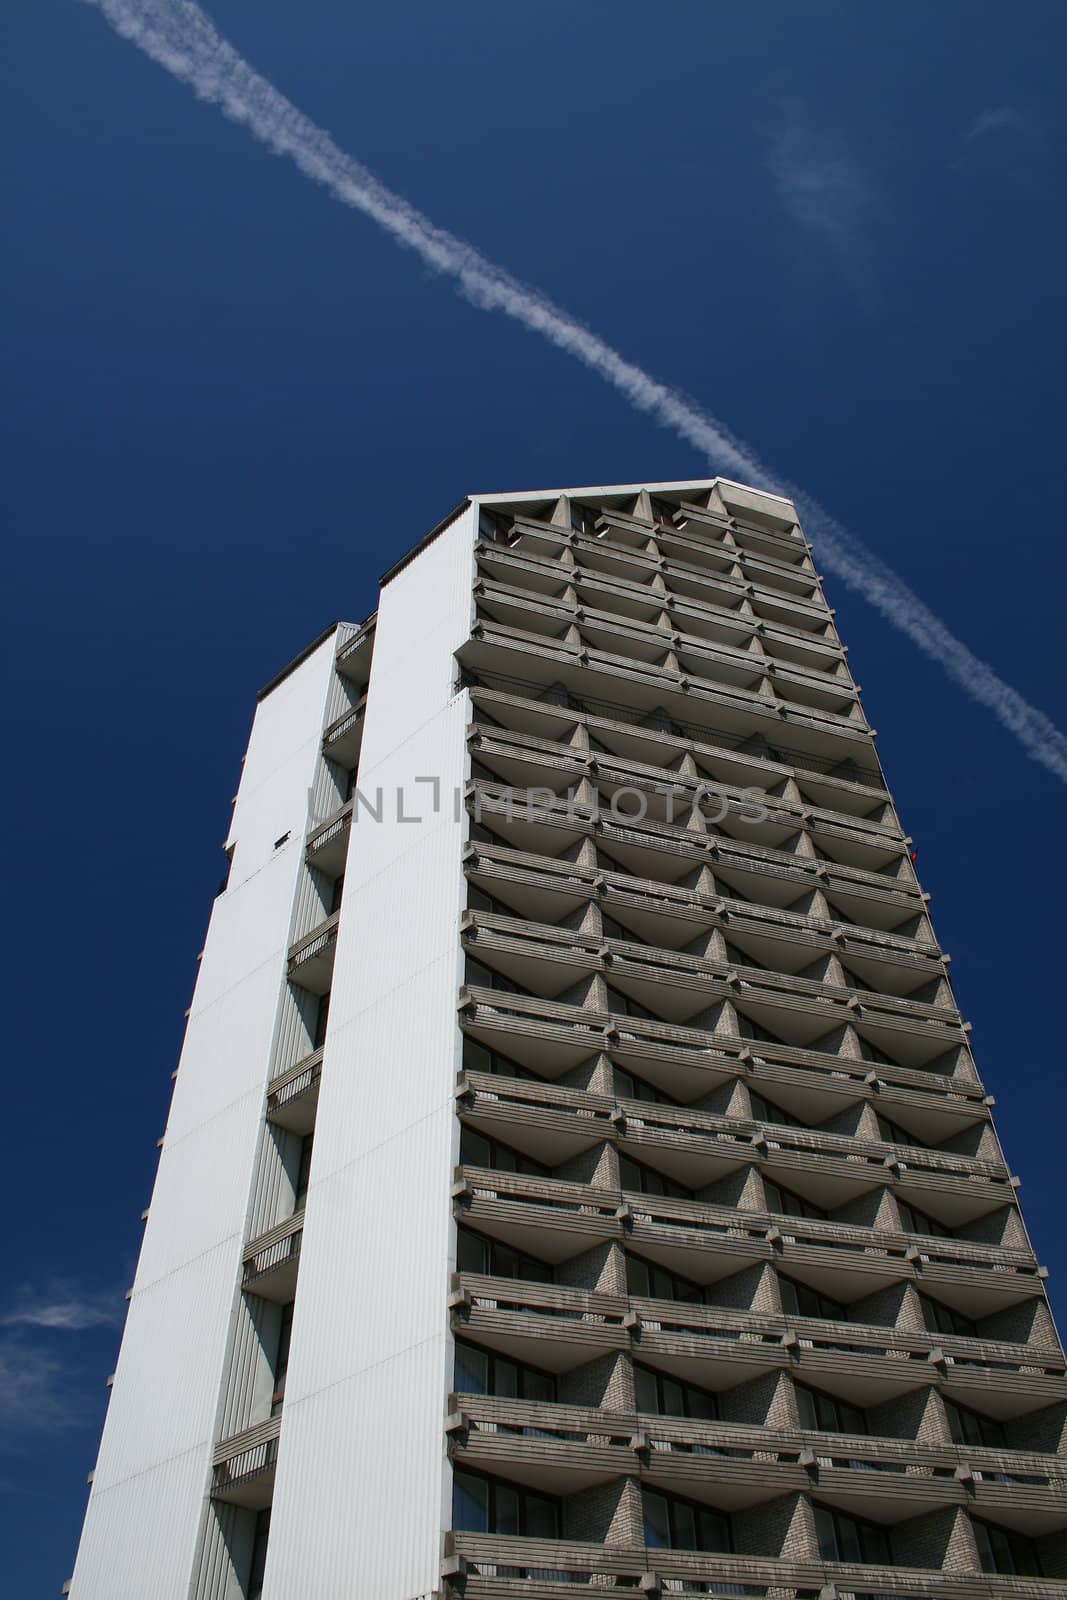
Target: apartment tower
(577,1176)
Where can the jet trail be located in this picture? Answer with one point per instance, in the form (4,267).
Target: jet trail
(180,37)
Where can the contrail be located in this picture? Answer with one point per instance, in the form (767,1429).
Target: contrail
(180,37)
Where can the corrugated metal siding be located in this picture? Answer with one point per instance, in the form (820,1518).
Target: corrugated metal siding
(151,1478)
(136,1540)
(361,1481)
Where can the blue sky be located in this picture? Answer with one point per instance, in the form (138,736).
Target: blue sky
(230,404)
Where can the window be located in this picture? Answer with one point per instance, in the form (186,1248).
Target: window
(259,1554)
(622,1005)
(893,1133)
(844,1538)
(321,1018)
(668,1397)
(476,1150)
(656,1283)
(281,1359)
(802,1301)
(765,1111)
(640,1179)
(741,958)
(747,1029)
(485,978)
(788,1204)
(970,1427)
(476,1058)
(338,894)
(485,1372)
(627,1087)
(916,1221)
(673,1524)
(1003,1550)
(871,1052)
(942,1319)
(497,1260)
(487,1505)
(823,1413)
(303,1171)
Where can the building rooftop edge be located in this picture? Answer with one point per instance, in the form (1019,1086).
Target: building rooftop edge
(300,657)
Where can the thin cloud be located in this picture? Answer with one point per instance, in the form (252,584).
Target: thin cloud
(178,35)
(33,1391)
(997,119)
(825,192)
(62,1309)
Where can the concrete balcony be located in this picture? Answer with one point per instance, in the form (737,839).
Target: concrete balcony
(342,740)
(327,845)
(555,1569)
(272,1260)
(311,958)
(815,735)
(669,916)
(521,760)
(677,988)
(705,645)
(733,1467)
(554,1327)
(243,1466)
(552,1124)
(293,1096)
(545,1217)
(726,756)
(353,660)
(551,1037)
(543,1120)
(862,1364)
(507,574)
(664,853)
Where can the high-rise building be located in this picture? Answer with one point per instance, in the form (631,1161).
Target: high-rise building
(656,1235)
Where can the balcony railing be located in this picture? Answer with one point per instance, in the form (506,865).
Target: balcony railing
(271,1260)
(293,1095)
(342,739)
(693,1060)
(243,1466)
(327,845)
(707,740)
(311,958)
(553,1569)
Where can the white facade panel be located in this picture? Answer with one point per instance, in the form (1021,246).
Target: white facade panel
(368,1375)
(130,1547)
(165,1398)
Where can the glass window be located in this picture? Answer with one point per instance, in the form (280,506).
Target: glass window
(970,1427)
(1003,1550)
(843,1538)
(915,1221)
(802,1301)
(627,1087)
(676,1524)
(259,1555)
(477,1150)
(663,1395)
(942,1319)
(485,1372)
(656,1283)
(788,1204)
(471,1374)
(638,1178)
(487,1505)
(490,1256)
(303,1171)
(823,1413)
(764,1111)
